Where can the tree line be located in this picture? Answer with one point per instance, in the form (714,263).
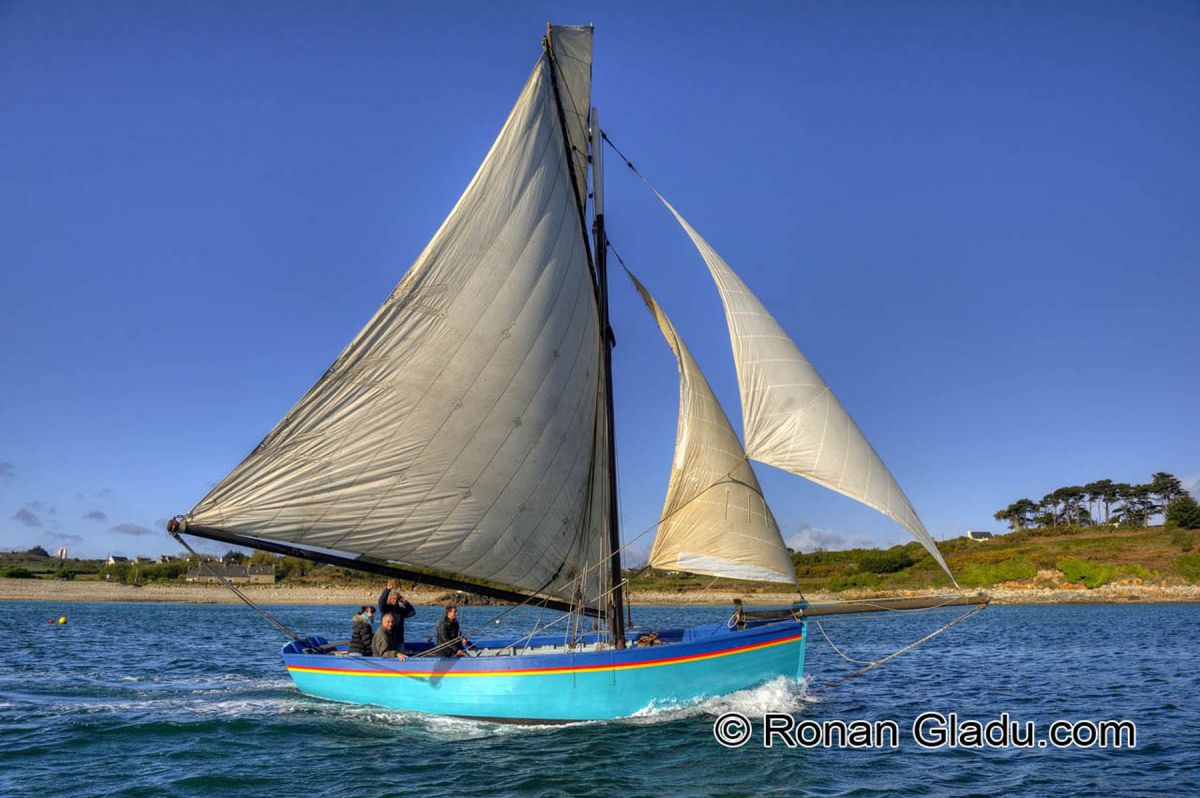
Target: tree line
(1102,502)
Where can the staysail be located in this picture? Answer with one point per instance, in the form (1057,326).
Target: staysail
(459,429)
(792,419)
(715,520)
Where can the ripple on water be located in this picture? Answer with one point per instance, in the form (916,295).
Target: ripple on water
(203,707)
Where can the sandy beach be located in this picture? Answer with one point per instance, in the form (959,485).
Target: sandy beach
(52,591)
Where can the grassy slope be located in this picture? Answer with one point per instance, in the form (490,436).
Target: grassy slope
(1033,557)
(1036,558)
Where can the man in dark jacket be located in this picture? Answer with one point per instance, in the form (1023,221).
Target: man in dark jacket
(361,634)
(392,603)
(449,641)
(384,643)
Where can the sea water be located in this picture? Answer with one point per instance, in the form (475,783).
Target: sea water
(186,700)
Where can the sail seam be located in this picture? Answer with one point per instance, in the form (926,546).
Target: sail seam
(352,353)
(541,214)
(580,404)
(775,444)
(563,279)
(286,422)
(350,465)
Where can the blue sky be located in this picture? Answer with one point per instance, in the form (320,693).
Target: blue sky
(981,221)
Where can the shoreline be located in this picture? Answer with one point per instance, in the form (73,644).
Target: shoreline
(42,590)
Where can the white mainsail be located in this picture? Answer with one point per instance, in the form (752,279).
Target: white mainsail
(458,430)
(571,46)
(792,419)
(715,520)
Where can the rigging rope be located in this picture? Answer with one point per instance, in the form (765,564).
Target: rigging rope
(839,652)
(604,135)
(266,615)
(662,518)
(870,666)
(681,607)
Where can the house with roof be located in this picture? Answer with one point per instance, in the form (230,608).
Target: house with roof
(238,574)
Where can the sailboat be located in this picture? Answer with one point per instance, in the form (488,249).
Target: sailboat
(465,439)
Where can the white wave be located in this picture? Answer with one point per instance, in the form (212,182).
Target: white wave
(441,727)
(234,708)
(257,698)
(781,694)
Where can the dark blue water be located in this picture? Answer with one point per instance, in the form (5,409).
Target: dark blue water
(192,700)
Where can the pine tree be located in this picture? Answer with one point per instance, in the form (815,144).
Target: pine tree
(1184,511)
(1167,488)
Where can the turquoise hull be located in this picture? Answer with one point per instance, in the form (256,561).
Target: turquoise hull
(560,687)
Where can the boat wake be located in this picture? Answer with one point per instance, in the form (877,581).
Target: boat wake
(781,694)
(436,727)
(778,695)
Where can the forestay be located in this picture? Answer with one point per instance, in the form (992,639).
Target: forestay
(459,429)
(715,520)
(792,419)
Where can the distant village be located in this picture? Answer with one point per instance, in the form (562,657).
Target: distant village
(206,568)
(234,567)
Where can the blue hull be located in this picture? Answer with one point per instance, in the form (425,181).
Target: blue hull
(560,687)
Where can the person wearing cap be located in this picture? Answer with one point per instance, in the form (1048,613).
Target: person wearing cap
(362,633)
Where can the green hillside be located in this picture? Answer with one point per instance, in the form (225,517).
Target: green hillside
(1050,557)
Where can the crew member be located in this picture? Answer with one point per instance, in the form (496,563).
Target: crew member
(392,603)
(449,640)
(361,634)
(384,643)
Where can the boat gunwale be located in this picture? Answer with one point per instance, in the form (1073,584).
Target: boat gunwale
(707,647)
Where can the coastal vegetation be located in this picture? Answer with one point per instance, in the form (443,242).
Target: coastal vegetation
(1105,502)
(1184,512)
(1060,557)
(1064,557)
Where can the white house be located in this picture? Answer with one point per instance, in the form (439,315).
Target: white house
(257,574)
(979,537)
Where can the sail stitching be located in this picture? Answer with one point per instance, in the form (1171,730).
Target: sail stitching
(290,419)
(562,278)
(580,404)
(700,407)
(756,434)
(289,489)
(540,215)
(380,317)
(580,118)
(586,516)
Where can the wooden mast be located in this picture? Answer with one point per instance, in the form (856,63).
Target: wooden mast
(616,604)
(597,261)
